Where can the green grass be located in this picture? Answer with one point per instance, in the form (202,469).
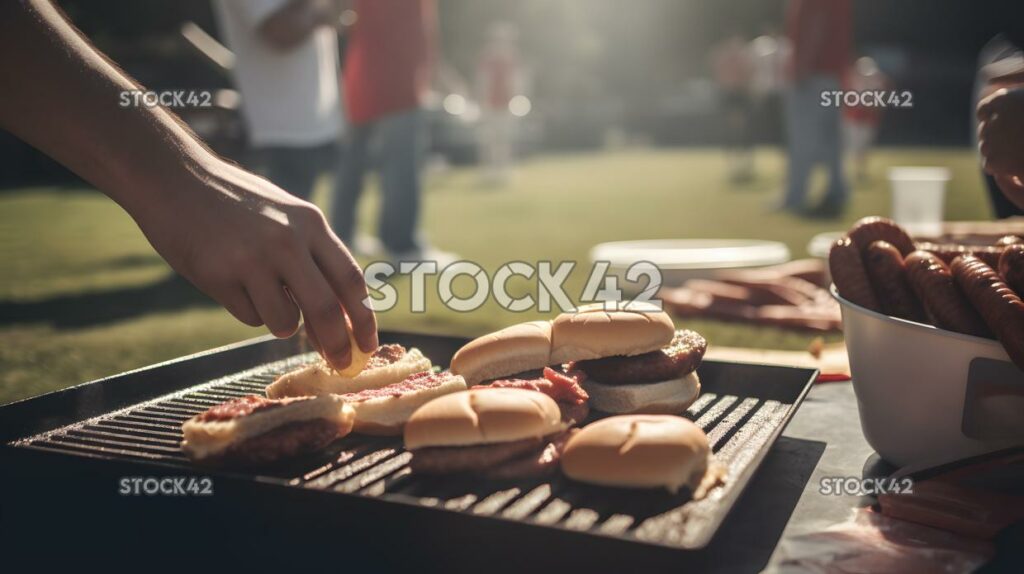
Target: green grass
(82,295)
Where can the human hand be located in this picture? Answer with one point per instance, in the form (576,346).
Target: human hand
(1000,123)
(261,253)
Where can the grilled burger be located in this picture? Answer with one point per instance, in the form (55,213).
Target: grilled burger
(384,411)
(256,431)
(388,365)
(663,381)
(642,451)
(494,433)
(627,360)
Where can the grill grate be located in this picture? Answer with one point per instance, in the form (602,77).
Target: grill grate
(738,428)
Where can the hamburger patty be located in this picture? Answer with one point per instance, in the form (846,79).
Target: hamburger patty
(681,357)
(475,458)
(283,442)
(535,464)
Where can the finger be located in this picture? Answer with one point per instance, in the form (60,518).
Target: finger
(275,307)
(312,340)
(321,311)
(346,279)
(240,305)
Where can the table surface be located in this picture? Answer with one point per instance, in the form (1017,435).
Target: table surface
(823,439)
(829,416)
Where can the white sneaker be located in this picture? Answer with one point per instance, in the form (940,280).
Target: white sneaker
(367,246)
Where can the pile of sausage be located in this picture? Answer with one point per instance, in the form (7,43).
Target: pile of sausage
(967,289)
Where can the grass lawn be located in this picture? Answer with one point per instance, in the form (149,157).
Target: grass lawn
(82,295)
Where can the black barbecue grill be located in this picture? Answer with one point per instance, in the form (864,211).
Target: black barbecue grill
(129,425)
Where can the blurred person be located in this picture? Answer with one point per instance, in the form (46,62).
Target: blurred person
(286,68)
(1000,51)
(259,251)
(730,63)
(860,122)
(820,36)
(769,53)
(389,65)
(499,77)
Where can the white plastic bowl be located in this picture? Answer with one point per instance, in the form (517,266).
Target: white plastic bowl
(911,382)
(683,259)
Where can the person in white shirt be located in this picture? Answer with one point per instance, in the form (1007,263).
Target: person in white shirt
(286,68)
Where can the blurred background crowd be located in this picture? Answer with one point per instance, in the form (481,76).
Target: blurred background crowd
(494,131)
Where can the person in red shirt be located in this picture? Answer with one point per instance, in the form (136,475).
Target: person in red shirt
(388,67)
(820,35)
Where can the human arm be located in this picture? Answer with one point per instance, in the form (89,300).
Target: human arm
(260,252)
(1000,125)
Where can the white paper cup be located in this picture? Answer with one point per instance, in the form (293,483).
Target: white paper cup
(911,380)
(918,198)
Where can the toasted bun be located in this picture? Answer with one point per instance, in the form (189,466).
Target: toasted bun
(208,438)
(591,332)
(641,451)
(483,416)
(387,415)
(511,350)
(318,379)
(664,397)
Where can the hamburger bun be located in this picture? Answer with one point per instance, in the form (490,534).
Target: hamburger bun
(483,416)
(591,332)
(385,414)
(514,349)
(664,397)
(208,438)
(319,379)
(639,451)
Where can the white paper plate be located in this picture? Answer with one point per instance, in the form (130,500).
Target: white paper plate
(682,259)
(693,253)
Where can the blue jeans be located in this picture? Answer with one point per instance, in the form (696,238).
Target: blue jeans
(814,138)
(398,142)
(296,169)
